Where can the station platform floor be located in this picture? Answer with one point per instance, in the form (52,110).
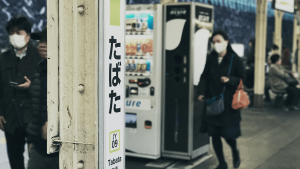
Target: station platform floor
(270,140)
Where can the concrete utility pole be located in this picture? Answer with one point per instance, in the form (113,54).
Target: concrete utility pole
(277,37)
(260,52)
(72,82)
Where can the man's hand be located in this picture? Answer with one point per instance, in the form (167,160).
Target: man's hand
(224,79)
(2,121)
(44,131)
(42,50)
(26,84)
(200,98)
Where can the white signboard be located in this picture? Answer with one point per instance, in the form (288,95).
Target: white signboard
(284,5)
(111,89)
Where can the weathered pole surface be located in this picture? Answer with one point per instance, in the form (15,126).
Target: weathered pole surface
(277,36)
(73,58)
(260,52)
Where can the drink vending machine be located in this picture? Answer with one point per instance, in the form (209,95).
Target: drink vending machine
(143,80)
(187,29)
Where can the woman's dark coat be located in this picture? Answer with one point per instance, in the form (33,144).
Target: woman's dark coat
(210,85)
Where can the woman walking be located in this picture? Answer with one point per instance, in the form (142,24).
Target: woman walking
(212,83)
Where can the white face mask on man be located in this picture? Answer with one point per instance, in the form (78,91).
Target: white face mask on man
(18,41)
(220,47)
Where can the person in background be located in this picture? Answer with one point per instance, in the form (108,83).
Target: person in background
(286,58)
(37,128)
(274,50)
(296,56)
(278,76)
(249,80)
(16,70)
(212,81)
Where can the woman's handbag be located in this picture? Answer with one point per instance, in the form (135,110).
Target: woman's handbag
(215,105)
(291,81)
(240,98)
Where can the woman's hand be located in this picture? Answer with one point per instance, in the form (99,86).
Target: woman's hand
(200,98)
(224,79)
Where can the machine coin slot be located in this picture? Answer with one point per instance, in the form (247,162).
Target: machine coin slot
(148,124)
(133,81)
(152,91)
(144,82)
(134,91)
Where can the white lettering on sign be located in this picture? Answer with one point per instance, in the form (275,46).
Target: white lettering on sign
(138,104)
(203,18)
(178,12)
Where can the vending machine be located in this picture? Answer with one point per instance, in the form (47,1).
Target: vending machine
(143,80)
(187,29)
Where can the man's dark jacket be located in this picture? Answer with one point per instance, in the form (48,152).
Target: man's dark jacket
(210,85)
(14,103)
(38,91)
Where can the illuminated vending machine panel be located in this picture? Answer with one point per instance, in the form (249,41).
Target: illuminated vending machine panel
(143,80)
(187,28)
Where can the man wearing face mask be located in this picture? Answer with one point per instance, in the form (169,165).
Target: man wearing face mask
(16,70)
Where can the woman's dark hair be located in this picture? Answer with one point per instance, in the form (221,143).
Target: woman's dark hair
(225,36)
(220,32)
(275,58)
(20,22)
(275,47)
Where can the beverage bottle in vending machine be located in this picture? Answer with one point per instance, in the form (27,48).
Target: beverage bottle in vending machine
(133,66)
(139,25)
(128,47)
(127,66)
(133,47)
(133,24)
(139,47)
(138,66)
(150,46)
(144,25)
(144,46)
(128,25)
(148,65)
(144,66)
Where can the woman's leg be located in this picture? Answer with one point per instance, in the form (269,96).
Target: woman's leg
(218,147)
(235,152)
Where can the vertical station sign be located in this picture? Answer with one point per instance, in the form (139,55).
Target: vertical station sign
(111,84)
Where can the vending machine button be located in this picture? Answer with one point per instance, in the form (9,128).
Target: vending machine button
(148,124)
(152,91)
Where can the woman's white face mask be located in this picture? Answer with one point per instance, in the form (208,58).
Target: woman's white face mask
(18,41)
(220,47)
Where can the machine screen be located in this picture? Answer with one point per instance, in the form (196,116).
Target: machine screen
(130,120)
